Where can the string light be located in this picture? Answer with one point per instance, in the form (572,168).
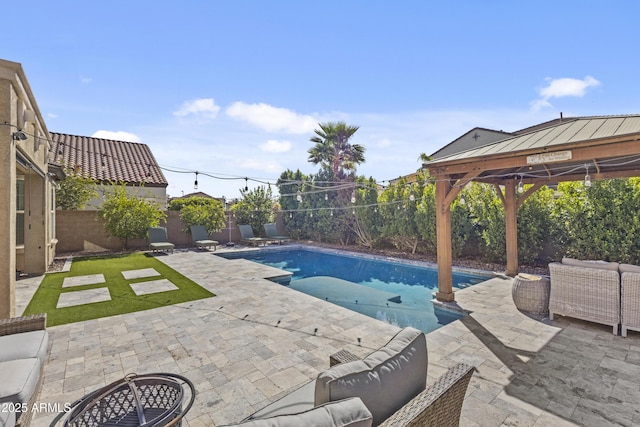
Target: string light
(353,197)
(246,185)
(299,196)
(520,186)
(195,184)
(587,177)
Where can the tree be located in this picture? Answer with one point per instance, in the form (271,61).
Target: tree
(75,190)
(332,149)
(128,216)
(201,211)
(256,208)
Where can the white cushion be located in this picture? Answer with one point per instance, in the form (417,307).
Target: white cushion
(24,345)
(19,380)
(344,413)
(602,265)
(629,268)
(385,380)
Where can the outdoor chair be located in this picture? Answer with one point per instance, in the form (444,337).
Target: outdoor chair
(272,233)
(386,388)
(201,239)
(246,236)
(158,240)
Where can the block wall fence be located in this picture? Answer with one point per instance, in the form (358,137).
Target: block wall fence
(83,231)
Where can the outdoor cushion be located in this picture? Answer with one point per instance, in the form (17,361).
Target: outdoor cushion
(629,268)
(345,413)
(385,380)
(24,345)
(603,265)
(19,380)
(7,418)
(299,400)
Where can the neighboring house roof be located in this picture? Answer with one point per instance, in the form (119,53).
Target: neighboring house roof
(196,194)
(107,160)
(476,137)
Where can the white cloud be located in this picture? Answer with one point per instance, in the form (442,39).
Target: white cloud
(204,108)
(271,167)
(558,88)
(85,80)
(52,116)
(384,142)
(272,119)
(117,136)
(273,146)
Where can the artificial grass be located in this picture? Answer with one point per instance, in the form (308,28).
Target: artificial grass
(123,299)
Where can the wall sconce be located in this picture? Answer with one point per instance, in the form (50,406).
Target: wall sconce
(19,136)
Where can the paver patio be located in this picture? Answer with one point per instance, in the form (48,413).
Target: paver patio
(257,340)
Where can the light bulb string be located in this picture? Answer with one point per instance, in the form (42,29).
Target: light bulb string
(146,167)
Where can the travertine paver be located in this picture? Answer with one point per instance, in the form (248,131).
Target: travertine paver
(91,279)
(140,274)
(152,287)
(69,299)
(255,341)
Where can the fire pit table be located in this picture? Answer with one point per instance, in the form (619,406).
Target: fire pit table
(136,400)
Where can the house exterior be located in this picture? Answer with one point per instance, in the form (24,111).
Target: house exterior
(27,191)
(109,161)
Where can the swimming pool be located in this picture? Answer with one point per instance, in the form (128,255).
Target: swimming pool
(395,292)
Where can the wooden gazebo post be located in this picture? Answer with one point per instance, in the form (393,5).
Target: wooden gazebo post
(443,239)
(511,224)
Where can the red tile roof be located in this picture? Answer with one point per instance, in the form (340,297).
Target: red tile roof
(107,160)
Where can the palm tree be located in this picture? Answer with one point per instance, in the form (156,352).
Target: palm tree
(333,151)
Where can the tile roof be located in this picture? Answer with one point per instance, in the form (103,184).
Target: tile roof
(107,160)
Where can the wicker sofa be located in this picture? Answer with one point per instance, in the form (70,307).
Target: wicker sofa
(23,350)
(630,297)
(386,388)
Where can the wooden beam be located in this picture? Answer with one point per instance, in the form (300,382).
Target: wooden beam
(535,187)
(614,147)
(511,223)
(443,238)
(457,187)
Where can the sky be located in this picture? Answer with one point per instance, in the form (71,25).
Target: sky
(235,89)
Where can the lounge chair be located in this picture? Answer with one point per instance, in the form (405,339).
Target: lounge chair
(158,240)
(201,239)
(272,233)
(246,233)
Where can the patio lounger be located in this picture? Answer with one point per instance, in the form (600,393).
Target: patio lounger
(272,233)
(158,240)
(201,239)
(246,233)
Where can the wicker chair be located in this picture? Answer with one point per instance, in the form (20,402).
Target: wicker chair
(17,325)
(586,292)
(439,405)
(630,299)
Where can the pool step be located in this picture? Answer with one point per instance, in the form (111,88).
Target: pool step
(333,289)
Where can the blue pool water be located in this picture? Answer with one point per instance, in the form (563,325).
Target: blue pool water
(413,284)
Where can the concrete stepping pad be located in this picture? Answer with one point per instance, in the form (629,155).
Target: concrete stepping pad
(139,274)
(153,286)
(91,279)
(89,296)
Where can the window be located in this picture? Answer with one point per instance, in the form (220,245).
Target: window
(20,211)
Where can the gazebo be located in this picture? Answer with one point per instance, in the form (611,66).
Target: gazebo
(573,149)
